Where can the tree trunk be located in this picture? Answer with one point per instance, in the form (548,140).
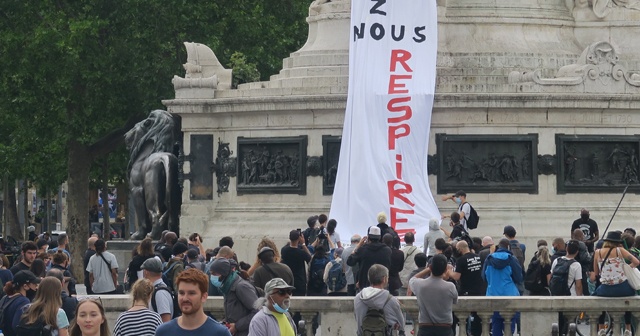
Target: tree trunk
(106,227)
(78,205)
(13,222)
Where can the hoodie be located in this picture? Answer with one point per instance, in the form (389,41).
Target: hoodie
(502,273)
(431,236)
(376,298)
(370,253)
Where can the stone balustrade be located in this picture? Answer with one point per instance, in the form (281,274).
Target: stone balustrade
(537,313)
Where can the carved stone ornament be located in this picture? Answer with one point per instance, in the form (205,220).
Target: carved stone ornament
(432,164)
(314,165)
(597,70)
(330,158)
(224,167)
(597,163)
(491,163)
(272,165)
(547,164)
(204,74)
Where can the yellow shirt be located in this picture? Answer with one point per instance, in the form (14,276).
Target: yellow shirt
(283,322)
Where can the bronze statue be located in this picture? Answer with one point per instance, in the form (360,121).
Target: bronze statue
(153,175)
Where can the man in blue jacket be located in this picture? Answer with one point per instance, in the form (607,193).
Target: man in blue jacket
(502,273)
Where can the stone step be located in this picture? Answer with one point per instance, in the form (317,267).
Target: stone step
(314,71)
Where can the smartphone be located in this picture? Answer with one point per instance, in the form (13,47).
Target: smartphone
(299,230)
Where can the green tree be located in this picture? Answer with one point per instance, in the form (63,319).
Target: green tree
(76,75)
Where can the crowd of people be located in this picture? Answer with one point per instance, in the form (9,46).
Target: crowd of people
(169,281)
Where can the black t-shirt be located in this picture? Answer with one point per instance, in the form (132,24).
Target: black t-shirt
(589,227)
(470,268)
(19,267)
(457,231)
(296,259)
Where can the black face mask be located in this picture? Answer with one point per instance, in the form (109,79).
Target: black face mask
(31,294)
(585,217)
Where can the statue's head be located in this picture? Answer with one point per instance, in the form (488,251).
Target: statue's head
(156,131)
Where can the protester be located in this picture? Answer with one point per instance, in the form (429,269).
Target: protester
(316,285)
(144,252)
(19,292)
(265,242)
(273,317)
(38,268)
(61,263)
(90,320)
(464,209)
(161,298)
(46,307)
(541,266)
(351,271)
(429,247)
(588,226)
(397,263)
(192,290)
(378,298)
(69,303)
(138,320)
(435,299)
(332,234)
(103,270)
(468,271)
(239,296)
(409,252)
(91,250)
(29,252)
(370,250)
(270,269)
(333,280)
(296,255)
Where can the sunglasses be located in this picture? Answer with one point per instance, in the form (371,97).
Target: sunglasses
(284,291)
(96,299)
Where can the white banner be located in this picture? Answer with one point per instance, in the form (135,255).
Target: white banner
(383,156)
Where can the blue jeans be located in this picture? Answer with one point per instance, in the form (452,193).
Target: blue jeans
(621,289)
(497,323)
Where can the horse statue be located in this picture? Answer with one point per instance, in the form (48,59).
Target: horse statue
(153,175)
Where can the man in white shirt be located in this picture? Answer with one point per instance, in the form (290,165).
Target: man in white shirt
(464,209)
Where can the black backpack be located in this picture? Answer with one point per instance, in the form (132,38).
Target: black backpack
(473,218)
(174,298)
(38,328)
(5,302)
(374,322)
(533,278)
(559,283)
(336,280)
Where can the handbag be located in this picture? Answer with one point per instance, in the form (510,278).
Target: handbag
(632,274)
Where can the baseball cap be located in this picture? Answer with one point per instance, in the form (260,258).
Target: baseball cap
(265,249)
(152,265)
(374,232)
(25,277)
(509,231)
(220,266)
(276,283)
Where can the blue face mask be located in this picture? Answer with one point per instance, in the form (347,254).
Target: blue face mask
(458,200)
(215,280)
(279,309)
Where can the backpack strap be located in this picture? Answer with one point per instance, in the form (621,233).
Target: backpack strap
(169,269)
(156,288)
(412,252)
(270,270)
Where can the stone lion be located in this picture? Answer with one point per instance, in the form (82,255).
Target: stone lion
(153,175)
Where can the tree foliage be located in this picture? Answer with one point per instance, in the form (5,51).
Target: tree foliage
(75,75)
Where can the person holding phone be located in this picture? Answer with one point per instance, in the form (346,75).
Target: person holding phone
(296,255)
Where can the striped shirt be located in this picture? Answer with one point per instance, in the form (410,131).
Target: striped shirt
(141,322)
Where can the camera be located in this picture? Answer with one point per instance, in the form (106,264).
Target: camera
(322,234)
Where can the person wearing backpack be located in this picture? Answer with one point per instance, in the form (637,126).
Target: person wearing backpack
(566,278)
(377,312)
(535,279)
(45,317)
(517,250)
(319,261)
(334,275)
(20,291)
(162,299)
(385,228)
(175,265)
(465,210)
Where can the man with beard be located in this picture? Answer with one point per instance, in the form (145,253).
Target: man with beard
(29,252)
(192,286)
(588,226)
(273,317)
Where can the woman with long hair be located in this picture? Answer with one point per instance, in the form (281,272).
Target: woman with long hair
(90,320)
(143,252)
(46,308)
(239,295)
(138,320)
(20,291)
(265,242)
(38,268)
(542,261)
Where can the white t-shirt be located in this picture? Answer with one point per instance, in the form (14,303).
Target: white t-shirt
(466,208)
(102,279)
(575,274)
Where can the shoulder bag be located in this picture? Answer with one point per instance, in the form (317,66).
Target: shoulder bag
(632,274)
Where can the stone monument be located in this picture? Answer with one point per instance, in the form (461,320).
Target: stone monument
(535,116)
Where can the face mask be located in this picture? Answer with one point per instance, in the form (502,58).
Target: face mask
(553,250)
(458,200)
(31,294)
(279,309)
(215,280)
